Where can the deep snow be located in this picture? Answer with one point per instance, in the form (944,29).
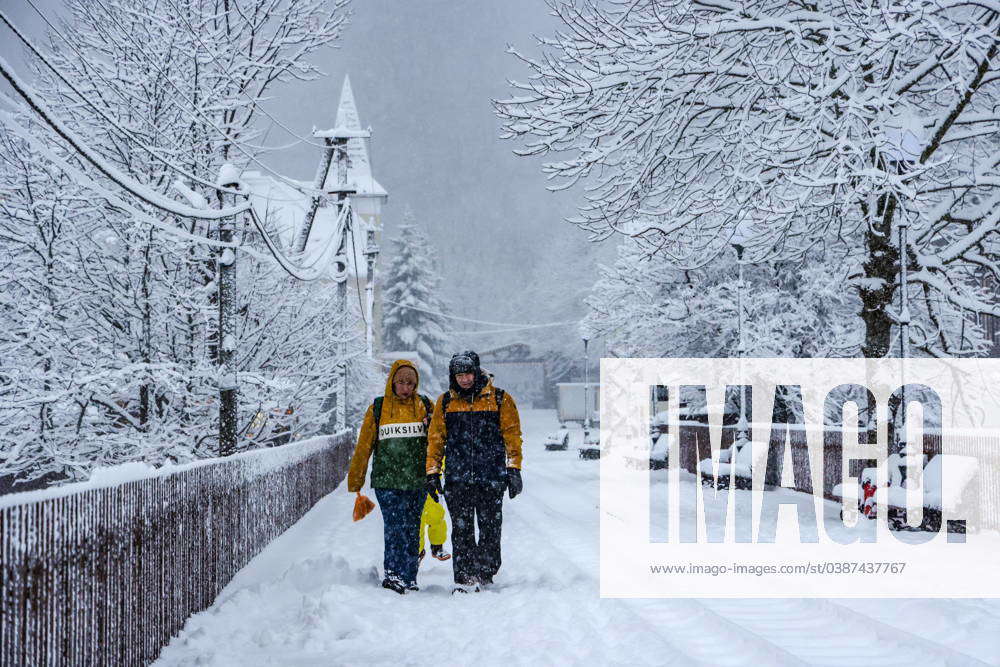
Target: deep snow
(312,598)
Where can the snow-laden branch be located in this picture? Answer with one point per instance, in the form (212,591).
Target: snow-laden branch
(317,268)
(139,190)
(684,122)
(129,135)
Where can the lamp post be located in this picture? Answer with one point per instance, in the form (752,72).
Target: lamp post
(906,138)
(906,152)
(904,324)
(742,427)
(371,254)
(586,388)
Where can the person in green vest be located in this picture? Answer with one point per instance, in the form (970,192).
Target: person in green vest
(394,436)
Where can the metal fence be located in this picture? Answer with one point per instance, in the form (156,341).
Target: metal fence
(108,576)
(826,464)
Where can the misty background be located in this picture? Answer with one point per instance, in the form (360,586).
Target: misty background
(424,74)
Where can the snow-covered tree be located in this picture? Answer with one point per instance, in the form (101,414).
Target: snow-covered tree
(794,125)
(645,307)
(108,323)
(412,319)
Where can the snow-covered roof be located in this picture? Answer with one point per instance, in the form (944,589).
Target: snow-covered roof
(281,204)
(359,170)
(284,203)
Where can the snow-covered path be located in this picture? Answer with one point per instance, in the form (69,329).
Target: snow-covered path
(312,598)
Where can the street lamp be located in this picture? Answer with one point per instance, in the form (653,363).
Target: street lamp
(586,388)
(742,427)
(371,254)
(905,139)
(904,324)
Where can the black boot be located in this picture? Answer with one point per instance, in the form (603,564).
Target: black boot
(394,583)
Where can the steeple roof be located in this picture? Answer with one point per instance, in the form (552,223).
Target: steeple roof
(359,170)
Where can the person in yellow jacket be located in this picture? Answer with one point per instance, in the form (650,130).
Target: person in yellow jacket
(432,522)
(394,436)
(477,426)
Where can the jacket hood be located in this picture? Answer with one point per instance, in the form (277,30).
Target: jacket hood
(396,365)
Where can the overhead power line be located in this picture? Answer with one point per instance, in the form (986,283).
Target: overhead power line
(509,326)
(196,115)
(143,192)
(139,190)
(125,133)
(496,331)
(289,266)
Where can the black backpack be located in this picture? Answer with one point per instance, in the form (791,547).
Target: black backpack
(377,412)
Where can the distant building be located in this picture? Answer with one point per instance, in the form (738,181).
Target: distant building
(515,371)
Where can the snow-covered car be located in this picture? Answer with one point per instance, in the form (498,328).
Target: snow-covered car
(591,447)
(557,440)
(659,422)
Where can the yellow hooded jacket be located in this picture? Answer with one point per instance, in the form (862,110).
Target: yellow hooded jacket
(401,452)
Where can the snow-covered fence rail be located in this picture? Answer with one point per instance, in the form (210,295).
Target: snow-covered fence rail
(984,446)
(105,576)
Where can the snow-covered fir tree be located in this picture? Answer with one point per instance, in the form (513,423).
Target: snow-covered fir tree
(413,305)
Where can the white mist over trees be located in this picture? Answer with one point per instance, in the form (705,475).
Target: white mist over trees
(108,326)
(795,127)
(645,307)
(411,293)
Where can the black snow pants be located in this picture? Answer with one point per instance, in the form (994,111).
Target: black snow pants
(475,561)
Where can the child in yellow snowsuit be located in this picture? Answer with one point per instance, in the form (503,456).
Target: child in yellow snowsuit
(432,522)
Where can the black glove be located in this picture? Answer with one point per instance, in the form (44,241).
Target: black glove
(434,486)
(514,484)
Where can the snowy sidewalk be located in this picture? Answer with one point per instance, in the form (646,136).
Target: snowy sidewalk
(313,598)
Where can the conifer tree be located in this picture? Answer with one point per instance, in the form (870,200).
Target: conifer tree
(413,317)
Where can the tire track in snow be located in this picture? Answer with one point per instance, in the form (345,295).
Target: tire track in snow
(822,632)
(950,654)
(682,624)
(796,631)
(613,622)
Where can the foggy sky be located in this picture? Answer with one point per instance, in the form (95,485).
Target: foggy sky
(424,73)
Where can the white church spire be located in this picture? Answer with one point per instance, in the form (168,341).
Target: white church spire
(359,170)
